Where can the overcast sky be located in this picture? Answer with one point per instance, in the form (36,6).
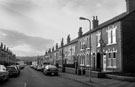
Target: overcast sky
(30,27)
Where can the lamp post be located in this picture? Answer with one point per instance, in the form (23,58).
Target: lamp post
(82,18)
(62,55)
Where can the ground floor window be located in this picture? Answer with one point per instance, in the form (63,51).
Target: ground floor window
(82,61)
(87,60)
(109,60)
(112,60)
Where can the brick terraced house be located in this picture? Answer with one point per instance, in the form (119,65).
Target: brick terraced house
(112,44)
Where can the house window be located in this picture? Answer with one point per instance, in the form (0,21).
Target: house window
(80,45)
(109,60)
(112,35)
(82,61)
(83,46)
(98,39)
(114,55)
(109,36)
(87,60)
(87,42)
(114,60)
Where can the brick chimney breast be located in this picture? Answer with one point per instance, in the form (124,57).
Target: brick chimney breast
(130,5)
(56,46)
(68,39)
(95,22)
(80,33)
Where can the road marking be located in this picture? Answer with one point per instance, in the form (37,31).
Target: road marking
(25,84)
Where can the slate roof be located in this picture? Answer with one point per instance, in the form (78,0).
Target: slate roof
(113,20)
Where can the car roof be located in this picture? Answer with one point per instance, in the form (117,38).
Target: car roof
(12,66)
(51,66)
(2,66)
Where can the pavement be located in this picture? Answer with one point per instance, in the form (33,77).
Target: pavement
(97,82)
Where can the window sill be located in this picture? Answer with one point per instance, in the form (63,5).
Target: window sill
(88,48)
(82,50)
(111,44)
(112,67)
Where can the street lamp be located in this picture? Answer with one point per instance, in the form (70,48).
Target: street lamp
(62,54)
(82,18)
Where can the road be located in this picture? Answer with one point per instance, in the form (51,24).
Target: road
(32,78)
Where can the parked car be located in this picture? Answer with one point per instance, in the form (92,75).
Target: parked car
(33,66)
(39,67)
(13,71)
(22,66)
(50,70)
(18,68)
(4,74)
(43,67)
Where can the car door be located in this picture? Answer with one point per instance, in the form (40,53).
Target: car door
(6,72)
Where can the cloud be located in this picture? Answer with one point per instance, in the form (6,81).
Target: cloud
(24,43)
(51,19)
(19,5)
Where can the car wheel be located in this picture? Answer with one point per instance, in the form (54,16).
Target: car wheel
(4,78)
(56,74)
(7,78)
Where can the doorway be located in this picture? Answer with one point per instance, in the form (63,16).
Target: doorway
(94,61)
(98,61)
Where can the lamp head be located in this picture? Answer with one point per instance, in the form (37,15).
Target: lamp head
(82,18)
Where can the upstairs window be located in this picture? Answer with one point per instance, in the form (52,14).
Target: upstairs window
(80,45)
(112,35)
(98,39)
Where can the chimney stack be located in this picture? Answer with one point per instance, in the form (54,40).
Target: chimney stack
(62,42)
(130,4)
(56,46)
(80,33)
(95,22)
(68,39)
(52,49)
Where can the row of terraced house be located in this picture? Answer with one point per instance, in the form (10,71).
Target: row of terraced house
(108,47)
(6,56)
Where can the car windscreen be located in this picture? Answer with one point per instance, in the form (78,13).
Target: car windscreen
(52,66)
(0,67)
(11,68)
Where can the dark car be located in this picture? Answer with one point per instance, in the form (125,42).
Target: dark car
(50,70)
(13,71)
(18,67)
(21,66)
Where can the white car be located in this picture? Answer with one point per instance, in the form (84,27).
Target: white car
(4,74)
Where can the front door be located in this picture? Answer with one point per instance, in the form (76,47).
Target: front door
(98,61)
